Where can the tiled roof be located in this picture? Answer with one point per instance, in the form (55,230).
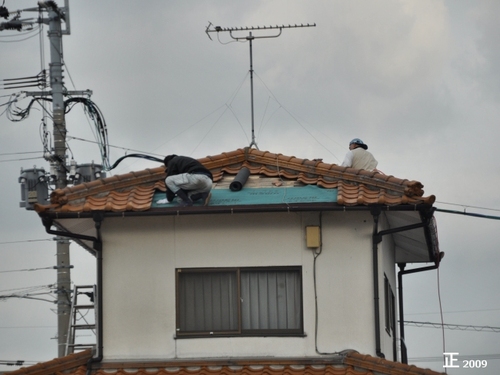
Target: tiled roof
(134,191)
(72,363)
(348,363)
(379,365)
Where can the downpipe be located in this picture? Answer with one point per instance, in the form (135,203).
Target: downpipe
(97,246)
(404,350)
(99,354)
(376,239)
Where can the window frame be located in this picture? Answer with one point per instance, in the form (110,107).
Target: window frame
(390,307)
(239,331)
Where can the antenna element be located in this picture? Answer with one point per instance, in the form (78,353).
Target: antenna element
(217,29)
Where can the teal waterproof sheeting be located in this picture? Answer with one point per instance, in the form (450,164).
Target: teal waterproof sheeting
(257,196)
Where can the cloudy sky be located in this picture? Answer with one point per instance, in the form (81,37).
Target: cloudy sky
(418,81)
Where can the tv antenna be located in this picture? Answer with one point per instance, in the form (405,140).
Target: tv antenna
(250,37)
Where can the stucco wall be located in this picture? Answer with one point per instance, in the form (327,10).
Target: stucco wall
(140,256)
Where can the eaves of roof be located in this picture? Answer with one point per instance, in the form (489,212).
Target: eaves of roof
(134,191)
(346,363)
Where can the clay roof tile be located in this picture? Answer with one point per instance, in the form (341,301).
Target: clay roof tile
(134,191)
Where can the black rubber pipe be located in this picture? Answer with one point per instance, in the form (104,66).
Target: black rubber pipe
(240,179)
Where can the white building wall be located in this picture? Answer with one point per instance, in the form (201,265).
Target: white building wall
(140,256)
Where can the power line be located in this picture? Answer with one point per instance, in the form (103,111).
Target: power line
(29,289)
(24,241)
(111,146)
(459,356)
(8,160)
(26,327)
(468,214)
(20,153)
(29,269)
(459,327)
(452,312)
(30,33)
(465,206)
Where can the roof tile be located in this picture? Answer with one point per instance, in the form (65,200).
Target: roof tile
(347,363)
(134,191)
(384,366)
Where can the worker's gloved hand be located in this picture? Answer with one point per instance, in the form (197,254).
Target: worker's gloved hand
(162,201)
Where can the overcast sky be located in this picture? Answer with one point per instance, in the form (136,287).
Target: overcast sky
(418,81)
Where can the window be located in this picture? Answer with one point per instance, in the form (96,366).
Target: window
(239,301)
(390,317)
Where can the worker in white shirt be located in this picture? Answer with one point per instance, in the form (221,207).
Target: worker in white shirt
(358,157)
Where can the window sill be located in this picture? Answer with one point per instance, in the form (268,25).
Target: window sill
(240,335)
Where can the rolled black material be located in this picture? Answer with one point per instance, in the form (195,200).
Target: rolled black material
(240,179)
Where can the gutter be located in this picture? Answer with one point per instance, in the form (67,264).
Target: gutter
(197,210)
(98,217)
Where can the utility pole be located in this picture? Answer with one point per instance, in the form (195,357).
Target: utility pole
(34,182)
(250,39)
(55,16)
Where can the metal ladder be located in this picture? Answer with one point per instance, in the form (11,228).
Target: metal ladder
(82,304)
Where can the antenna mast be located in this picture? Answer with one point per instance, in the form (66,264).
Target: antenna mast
(250,38)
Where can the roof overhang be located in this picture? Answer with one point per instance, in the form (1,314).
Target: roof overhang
(273,183)
(412,228)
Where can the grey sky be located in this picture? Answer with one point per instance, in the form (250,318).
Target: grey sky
(418,81)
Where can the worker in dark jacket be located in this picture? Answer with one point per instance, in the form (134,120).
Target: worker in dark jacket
(187,179)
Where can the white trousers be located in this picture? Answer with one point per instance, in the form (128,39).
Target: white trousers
(191,183)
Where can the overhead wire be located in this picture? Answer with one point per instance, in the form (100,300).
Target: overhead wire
(101,130)
(453,312)
(25,241)
(44,133)
(459,327)
(468,356)
(465,206)
(468,214)
(29,289)
(32,33)
(32,292)
(23,159)
(113,146)
(28,269)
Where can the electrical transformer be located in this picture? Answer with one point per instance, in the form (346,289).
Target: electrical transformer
(34,187)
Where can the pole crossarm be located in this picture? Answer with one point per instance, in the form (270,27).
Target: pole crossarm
(62,13)
(66,93)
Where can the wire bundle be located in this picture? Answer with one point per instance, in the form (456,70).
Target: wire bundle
(97,117)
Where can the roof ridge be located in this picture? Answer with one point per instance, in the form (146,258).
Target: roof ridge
(309,172)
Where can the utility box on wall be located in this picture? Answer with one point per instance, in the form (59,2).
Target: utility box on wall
(313,237)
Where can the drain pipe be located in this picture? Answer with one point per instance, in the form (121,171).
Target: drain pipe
(98,217)
(404,351)
(376,239)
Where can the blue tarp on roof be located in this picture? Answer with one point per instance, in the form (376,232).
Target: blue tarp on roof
(257,196)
